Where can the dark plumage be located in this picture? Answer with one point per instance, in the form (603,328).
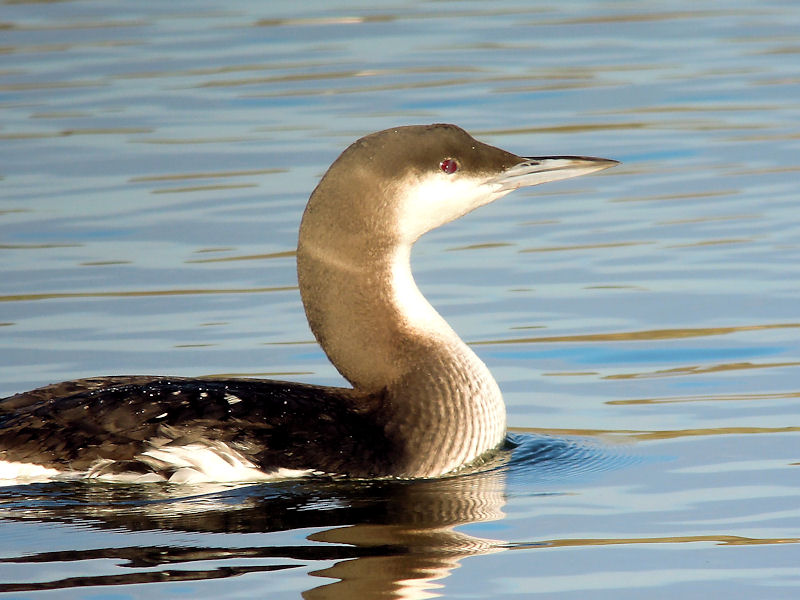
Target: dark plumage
(274,424)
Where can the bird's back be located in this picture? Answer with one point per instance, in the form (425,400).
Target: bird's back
(146,424)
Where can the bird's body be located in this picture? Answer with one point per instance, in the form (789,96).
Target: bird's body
(141,428)
(422,403)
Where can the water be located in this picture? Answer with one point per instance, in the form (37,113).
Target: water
(642,323)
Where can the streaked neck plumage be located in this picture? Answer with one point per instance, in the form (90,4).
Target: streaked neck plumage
(385,338)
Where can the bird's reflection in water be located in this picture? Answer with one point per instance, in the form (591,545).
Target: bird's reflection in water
(386,539)
(389,539)
(419,536)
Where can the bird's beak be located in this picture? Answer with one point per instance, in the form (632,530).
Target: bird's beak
(536,170)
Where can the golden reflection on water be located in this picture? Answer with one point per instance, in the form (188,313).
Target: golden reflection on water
(36,246)
(709,398)
(483,246)
(204,175)
(143,293)
(686,196)
(586,246)
(45,48)
(315,21)
(654,16)
(720,242)
(583,127)
(204,188)
(196,140)
(57,26)
(721,540)
(649,334)
(698,370)
(193,71)
(42,85)
(104,263)
(710,219)
(69,132)
(344,91)
(270,255)
(297,77)
(60,115)
(771,171)
(637,435)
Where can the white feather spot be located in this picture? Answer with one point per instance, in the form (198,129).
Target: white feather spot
(212,462)
(231,399)
(27,472)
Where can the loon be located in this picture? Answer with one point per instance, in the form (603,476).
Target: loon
(422,404)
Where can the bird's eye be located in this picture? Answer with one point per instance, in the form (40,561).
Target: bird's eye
(449,165)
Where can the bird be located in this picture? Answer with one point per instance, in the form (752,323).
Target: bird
(421,403)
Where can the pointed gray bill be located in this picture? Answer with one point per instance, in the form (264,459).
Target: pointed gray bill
(536,170)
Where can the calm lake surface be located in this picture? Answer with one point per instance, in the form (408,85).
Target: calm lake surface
(643,323)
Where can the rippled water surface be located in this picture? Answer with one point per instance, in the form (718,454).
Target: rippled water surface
(643,323)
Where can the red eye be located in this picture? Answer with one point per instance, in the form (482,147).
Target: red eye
(449,165)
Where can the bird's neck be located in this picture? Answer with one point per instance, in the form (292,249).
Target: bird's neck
(380,332)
